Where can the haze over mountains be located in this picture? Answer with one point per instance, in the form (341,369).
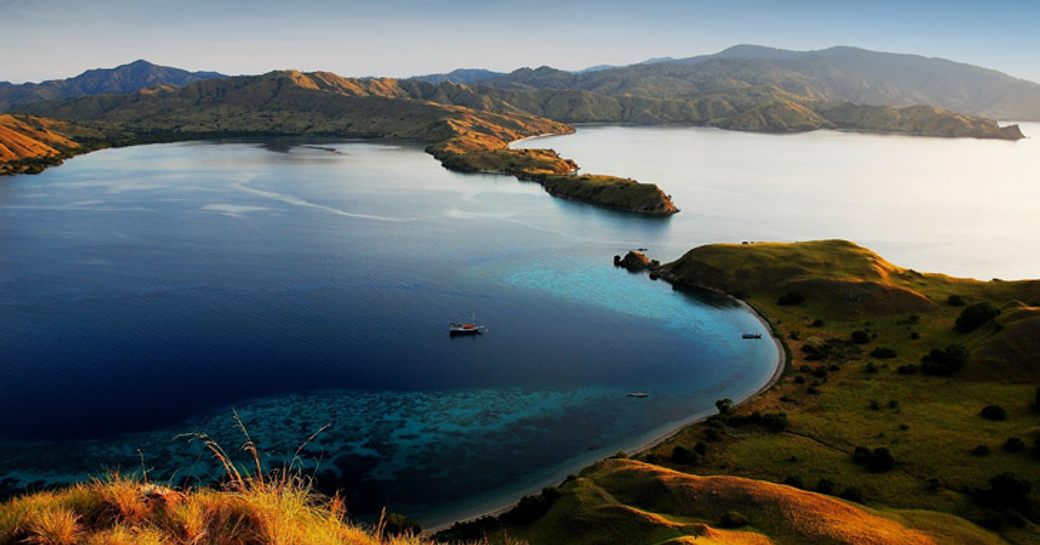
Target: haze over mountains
(837,74)
(128,78)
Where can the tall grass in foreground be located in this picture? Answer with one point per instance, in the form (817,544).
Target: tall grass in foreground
(253,507)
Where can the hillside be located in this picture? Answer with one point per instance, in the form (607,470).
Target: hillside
(912,394)
(632,502)
(29,143)
(128,78)
(837,74)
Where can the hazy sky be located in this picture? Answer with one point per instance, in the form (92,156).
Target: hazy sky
(42,39)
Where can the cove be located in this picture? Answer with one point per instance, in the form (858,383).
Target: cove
(147,291)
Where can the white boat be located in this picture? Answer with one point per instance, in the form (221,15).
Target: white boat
(466,329)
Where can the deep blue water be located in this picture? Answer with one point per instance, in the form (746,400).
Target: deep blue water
(146,291)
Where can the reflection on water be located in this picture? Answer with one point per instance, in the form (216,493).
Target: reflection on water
(959,206)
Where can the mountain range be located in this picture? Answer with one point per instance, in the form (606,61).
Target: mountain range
(128,78)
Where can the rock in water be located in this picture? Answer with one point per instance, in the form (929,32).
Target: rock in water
(633,261)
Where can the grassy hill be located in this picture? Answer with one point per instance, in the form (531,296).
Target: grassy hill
(30,144)
(907,396)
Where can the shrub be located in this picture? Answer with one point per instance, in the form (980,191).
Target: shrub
(794,480)
(791,298)
(993,412)
(860,337)
(975,316)
(396,524)
(955,301)
(915,335)
(531,508)
(947,361)
(733,519)
(684,456)
(883,353)
(817,323)
(1036,402)
(876,461)
(725,406)
(1013,444)
(773,422)
(910,369)
(1005,490)
(701,448)
(852,494)
(824,486)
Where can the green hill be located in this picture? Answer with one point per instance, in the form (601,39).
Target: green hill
(907,408)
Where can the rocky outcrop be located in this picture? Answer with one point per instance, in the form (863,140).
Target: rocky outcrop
(634,261)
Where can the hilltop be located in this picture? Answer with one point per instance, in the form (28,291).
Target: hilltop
(907,409)
(127,78)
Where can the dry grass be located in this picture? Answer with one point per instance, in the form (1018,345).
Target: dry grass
(254,507)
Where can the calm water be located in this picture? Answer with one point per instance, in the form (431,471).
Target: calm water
(960,206)
(144,292)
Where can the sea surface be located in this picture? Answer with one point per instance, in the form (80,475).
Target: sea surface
(151,293)
(959,206)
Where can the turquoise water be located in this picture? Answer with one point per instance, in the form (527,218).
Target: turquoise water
(146,292)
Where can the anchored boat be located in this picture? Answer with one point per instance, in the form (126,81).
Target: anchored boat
(752,336)
(456,329)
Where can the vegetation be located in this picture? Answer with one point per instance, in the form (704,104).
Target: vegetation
(917,424)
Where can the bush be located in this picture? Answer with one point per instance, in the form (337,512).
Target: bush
(795,481)
(955,301)
(684,456)
(817,323)
(980,450)
(975,316)
(725,406)
(701,448)
(1013,444)
(1005,490)
(773,422)
(883,353)
(733,519)
(993,412)
(910,369)
(947,361)
(860,337)
(876,461)
(825,486)
(852,494)
(791,298)
(531,508)
(396,524)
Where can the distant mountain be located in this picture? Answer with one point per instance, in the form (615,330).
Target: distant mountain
(837,74)
(462,75)
(128,78)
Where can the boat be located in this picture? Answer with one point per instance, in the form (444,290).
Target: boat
(751,336)
(640,395)
(455,329)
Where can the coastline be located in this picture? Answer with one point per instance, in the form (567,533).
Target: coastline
(499,508)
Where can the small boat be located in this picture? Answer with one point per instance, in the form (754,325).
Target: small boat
(751,336)
(640,395)
(455,329)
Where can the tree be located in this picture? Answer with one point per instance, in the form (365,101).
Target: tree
(883,353)
(860,337)
(684,456)
(946,361)
(725,406)
(955,301)
(975,316)
(993,412)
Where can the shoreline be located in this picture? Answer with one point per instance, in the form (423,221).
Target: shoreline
(778,372)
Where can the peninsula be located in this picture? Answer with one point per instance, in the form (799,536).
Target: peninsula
(906,414)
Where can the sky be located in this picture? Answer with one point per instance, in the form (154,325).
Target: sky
(46,39)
